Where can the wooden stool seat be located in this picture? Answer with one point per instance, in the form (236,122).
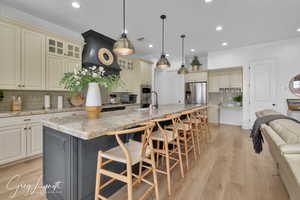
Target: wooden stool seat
(181,127)
(134,149)
(159,135)
(192,121)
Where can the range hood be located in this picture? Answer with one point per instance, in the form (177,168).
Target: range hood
(95,41)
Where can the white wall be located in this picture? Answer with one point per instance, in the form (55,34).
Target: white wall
(287,56)
(21,16)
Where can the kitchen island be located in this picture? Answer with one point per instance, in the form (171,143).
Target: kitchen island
(71,145)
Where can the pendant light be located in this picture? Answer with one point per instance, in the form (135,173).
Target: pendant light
(123,46)
(182,69)
(196,64)
(163,62)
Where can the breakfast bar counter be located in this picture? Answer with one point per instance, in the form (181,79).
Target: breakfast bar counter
(71,146)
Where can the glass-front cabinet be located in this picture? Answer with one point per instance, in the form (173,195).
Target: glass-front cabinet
(73,51)
(55,47)
(61,48)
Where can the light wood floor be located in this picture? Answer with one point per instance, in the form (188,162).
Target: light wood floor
(227,170)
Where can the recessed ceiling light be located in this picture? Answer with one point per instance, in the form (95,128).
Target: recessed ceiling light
(224,44)
(219,28)
(208,1)
(75,4)
(150,45)
(167,55)
(192,50)
(298,29)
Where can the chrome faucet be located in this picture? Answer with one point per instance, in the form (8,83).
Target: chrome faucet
(156,99)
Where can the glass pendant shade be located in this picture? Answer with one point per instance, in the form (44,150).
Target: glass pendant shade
(163,62)
(196,64)
(123,46)
(182,70)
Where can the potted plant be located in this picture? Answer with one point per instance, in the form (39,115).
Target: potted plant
(238,100)
(89,79)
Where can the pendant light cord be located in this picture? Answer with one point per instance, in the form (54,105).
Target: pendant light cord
(124,16)
(163,37)
(182,52)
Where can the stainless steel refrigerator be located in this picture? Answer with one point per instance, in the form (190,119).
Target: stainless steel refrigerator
(196,93)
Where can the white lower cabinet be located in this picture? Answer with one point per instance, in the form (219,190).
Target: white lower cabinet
(20,141)
(12,144)
(34,139)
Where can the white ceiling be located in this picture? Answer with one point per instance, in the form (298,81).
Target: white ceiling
(245,22)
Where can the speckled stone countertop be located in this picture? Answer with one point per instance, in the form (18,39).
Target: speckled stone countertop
(81,127)
(5,114)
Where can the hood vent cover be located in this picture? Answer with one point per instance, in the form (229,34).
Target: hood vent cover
(95,41)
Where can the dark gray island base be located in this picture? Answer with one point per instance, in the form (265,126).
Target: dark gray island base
(71,146)
(70,163)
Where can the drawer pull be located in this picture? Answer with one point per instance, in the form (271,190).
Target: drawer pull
(26,120)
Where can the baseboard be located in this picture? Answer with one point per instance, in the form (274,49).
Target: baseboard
(20,161)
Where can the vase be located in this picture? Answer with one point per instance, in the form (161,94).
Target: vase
(93,105)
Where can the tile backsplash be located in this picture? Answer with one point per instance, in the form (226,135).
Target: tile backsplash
(222,97)
(32,100)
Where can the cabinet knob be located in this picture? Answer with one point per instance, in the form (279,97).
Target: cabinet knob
(25,128)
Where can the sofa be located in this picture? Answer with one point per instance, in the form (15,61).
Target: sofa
(283,137)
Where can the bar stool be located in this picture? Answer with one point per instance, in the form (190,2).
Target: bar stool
(167,137)
(195,124)
(130,154)
(201,113)
(186,135)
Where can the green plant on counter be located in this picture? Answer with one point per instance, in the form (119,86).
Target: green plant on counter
(238,99)
(78,81)
(1,95)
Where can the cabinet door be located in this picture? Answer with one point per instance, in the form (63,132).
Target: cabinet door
(236,79)
(9,56)
(223,80)
(34,137)
(70,65)
(73,51)
(213,83)
(33,60)
(12,144)
(55,47)
(55,72)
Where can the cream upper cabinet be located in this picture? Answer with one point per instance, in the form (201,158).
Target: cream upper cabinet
(73,51)
(195,77)
(10,56)
(236,79)
(12,143)
(57,66)
(55,47)
(71,65)
(223,79)
(213,83)
(33,60)
(55,71)
(146,73)
(228,78)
